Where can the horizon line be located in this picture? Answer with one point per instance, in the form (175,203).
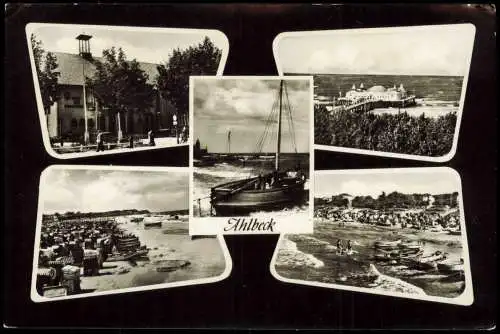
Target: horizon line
(149,210)
(367,74)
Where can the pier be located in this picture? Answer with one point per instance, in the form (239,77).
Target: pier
(363,100)
(370,104)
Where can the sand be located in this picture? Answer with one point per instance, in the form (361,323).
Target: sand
(186,260)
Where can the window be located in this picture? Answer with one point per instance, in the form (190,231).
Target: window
(82,122)
(74,123)
(67,95)
(91,123)
(76,100)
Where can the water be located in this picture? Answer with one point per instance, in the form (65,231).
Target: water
(437,88)
(352,270)
(172,241)
(436,95)
(207,177)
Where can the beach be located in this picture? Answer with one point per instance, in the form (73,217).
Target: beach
(360,269)
(170,248)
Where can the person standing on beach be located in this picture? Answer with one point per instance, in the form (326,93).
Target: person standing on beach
(151,137)
(99,141)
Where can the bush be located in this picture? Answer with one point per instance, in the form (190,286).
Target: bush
(400,133)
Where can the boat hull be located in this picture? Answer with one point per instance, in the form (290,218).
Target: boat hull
(152,225)
(450,268)
(247,201)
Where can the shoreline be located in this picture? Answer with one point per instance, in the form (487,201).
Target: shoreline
(173,256)
(357,270)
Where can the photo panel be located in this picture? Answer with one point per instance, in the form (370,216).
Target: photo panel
(252,155)
(397,232)
(106,230)
(393,92)
(114,89)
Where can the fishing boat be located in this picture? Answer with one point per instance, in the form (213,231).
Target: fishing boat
(411,252)
(136,219)
(409,243)
(252,194)
(449,267)
(408,246)
(152,222)
(387,244)
(425,262)
(383,256)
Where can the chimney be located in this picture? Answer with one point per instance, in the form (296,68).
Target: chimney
(84,46)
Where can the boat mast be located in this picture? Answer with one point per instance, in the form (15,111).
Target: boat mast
(277,163)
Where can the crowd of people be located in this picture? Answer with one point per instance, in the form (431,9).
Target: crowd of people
(399,133)
(421,219)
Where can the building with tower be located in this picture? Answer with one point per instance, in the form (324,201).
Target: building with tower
(77,112)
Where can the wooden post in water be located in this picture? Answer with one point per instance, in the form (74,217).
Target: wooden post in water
(277,163)
(212,197)
(199,206)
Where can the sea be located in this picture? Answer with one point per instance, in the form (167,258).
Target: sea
(207,177)
(172,241)
(435,95)
(325,265)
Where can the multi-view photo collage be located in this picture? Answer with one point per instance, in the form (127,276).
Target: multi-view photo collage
(109,90)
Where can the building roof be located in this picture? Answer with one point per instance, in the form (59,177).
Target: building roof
(377,89)
(71,69)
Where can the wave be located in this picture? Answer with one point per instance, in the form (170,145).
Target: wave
(391,284)
(290,256)
(224,173)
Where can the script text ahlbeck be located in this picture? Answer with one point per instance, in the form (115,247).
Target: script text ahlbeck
(250,225)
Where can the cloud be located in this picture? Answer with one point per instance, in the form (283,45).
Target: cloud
(373,184)
(146,46)
(439,50)
(94,190)
(245,106)
(357,188)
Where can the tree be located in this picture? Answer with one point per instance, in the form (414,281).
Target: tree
(173,77)
(121,85)
(46,69)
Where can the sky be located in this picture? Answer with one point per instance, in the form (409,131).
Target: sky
(364,184)
(103,190)
(242,106)
(440,50)
(150,47)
